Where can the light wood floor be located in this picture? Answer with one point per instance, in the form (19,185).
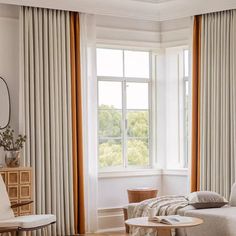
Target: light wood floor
(107,234)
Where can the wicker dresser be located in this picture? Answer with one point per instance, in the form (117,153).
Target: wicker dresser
(19,186)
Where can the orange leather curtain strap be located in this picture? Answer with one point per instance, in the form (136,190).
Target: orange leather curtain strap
(77,132)
(196,78)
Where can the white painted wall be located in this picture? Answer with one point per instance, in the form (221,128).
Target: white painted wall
(175,184)
(113,191)
(9,59)
(128,32)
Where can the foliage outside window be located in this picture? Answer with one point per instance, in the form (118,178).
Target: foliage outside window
(123,108)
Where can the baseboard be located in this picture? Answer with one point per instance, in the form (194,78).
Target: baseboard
(112,230)
(110,220)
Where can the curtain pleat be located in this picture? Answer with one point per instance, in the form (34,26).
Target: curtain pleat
(46,111)
(77,124)
(195,164)
(218,103)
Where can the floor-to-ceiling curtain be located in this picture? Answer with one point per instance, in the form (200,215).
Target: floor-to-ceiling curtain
(218,101)
(196,71)
(77,129)
(46,109)
(89,105)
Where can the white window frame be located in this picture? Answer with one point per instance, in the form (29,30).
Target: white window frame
(123,81)
(186,127)
(182,155)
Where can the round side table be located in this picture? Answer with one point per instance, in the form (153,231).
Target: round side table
(162,229)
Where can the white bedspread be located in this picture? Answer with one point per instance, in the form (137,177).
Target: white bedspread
(217,221)
(166,205)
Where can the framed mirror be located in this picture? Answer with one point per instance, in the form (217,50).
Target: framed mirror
(5,104)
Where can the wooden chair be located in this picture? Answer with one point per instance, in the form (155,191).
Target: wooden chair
(10,223)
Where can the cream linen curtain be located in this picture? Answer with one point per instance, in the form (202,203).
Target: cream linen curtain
(218,101)
(46,111)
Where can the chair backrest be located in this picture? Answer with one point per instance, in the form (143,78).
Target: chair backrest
(5,206)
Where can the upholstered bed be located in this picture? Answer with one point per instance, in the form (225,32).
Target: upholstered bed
(217,221)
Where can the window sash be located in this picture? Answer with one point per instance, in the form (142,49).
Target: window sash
(124,110)
(124,137)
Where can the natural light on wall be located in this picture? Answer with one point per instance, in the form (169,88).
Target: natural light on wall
(123,108)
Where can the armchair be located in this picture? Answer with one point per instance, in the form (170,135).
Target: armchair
(10,223)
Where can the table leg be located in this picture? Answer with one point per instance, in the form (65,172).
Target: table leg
(164,232)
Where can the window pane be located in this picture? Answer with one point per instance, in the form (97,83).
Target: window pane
(110,95)
(109,62)
(137,95)
(186,63)
(109,123)
(136,64)
(138,152)
(137,124)
(186,88)
(110,153)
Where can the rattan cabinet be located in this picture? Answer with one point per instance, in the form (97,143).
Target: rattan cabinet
(19,186)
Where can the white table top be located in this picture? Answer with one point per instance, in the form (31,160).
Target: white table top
(143,222)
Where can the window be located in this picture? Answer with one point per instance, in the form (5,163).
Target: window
(123,108)
(177,107)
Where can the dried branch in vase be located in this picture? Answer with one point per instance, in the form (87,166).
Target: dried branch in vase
(8,141)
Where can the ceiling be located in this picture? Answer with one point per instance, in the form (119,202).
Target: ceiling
(157,10)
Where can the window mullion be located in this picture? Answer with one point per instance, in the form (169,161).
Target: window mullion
(124,126)
(124,116)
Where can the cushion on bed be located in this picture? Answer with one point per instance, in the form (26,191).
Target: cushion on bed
(206,199)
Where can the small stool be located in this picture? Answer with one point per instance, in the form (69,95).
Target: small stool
(138,195)
(141,194)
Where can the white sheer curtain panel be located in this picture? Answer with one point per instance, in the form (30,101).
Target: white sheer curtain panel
(45,105)
(89,95)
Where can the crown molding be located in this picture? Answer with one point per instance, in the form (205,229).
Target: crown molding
(142,9)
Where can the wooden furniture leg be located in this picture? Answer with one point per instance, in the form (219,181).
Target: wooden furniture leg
(125,211)
(164,232)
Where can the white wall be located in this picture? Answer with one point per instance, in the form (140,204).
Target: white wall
(9,59)
(175,184)
(176,32)
(129,32)
(113,191)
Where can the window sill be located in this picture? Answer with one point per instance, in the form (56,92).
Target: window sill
(176,172)
(129,173)
(142,172)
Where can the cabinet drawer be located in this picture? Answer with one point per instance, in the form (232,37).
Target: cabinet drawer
(25,209)
(12,177)
(25,177)
(25,191)
(13,192)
